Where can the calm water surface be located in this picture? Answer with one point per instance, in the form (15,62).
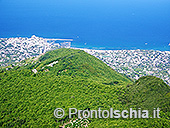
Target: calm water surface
(105,24)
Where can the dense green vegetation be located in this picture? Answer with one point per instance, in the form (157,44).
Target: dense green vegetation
(80,81)
(148,92)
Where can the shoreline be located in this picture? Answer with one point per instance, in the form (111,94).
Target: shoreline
(99,49)
(74,46)
(155,48)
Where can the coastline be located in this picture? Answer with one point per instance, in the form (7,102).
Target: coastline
(120,48)
(103,50)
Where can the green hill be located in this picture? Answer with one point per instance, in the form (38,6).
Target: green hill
(148,92)
(67,78)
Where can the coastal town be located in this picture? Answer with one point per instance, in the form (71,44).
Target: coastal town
(132,63)
(14,50)
(136,63)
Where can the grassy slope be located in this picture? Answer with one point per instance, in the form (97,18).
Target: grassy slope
(78,80)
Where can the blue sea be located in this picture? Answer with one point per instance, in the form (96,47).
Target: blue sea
(97,24)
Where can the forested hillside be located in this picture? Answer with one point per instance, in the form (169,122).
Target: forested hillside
(67,78)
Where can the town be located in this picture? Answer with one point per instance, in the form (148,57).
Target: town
(136,63)
(14,50)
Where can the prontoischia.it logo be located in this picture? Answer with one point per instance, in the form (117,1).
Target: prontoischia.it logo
(59,113)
